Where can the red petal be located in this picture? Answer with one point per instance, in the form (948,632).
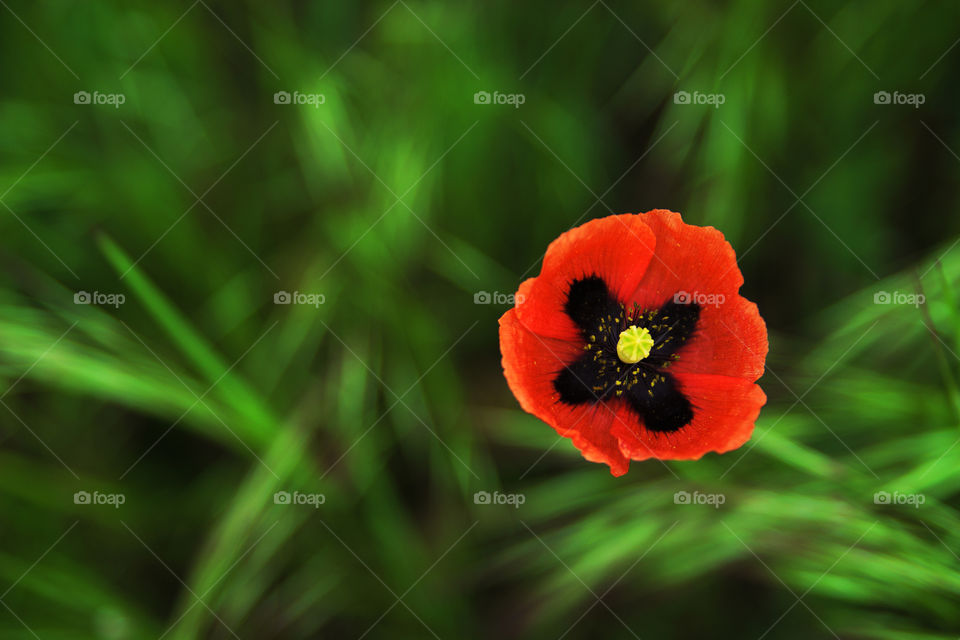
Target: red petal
(530,364)
(725,410)
(696,260)
(731,340)
(616,248)
(589,428)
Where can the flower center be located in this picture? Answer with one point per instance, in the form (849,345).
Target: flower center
(634,344)
(627,353)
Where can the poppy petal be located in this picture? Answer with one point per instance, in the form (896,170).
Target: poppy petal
(725,409)
(591,434)
(687,259)
(616,248)
(731,340)
(530,364)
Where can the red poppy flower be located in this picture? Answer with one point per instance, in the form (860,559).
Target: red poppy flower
(635,343)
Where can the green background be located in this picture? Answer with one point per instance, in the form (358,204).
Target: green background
(400,199)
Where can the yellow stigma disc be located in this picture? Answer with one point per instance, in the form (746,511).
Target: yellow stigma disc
(634,344)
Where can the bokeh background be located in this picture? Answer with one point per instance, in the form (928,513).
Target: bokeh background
(144,438)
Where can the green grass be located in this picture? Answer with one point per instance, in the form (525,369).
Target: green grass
(398,199)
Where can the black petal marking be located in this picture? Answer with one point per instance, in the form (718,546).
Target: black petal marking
(660,403)
(599,374)
(576,383)
(673,325)
(588,302)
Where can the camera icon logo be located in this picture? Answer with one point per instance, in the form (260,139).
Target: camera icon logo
(881,297)
(881,97)
(281,497)
(81,297)
(481,497)
(681,97)
(281,97)
(81,97)
(881,497)
(481,97)
(481,297)
(682,297)
(81,497)
(281,297)
(681,497)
